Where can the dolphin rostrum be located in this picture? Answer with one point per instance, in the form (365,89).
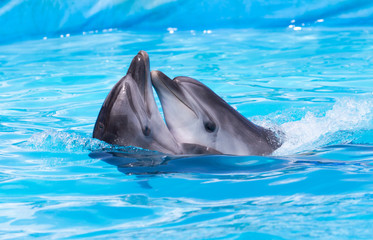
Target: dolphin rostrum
(195,114)
(129,115)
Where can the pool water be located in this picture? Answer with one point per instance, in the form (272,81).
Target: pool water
(315,85)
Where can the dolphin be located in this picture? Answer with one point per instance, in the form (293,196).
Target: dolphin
(129,115)
(195,114)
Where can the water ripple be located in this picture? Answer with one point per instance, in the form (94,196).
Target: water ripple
(56,181)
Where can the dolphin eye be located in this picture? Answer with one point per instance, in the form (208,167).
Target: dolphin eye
(101,125)
(146,131)
(210,126)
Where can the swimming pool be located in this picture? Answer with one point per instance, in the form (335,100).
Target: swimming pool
(314,83)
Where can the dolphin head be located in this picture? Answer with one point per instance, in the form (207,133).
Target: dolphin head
(195,114)
(129,115)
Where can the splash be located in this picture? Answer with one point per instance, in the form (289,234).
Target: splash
(67,141)
(64,141)
(343,124)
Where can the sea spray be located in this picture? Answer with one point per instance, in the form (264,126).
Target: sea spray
(348,118)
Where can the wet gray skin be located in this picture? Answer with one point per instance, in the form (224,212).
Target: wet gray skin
(129,115)
(195,114)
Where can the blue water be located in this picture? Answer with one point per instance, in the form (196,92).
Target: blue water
(24,19)
(313,83)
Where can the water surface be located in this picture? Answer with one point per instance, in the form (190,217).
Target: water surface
(314,84)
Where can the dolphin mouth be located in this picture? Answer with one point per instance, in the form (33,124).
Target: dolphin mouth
(159,79)
(139,70)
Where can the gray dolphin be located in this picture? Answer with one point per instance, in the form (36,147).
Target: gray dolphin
(129,115)
(195,114)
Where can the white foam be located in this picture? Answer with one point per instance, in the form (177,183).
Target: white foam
(310,132)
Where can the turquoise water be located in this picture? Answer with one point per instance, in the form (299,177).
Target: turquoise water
(315,84)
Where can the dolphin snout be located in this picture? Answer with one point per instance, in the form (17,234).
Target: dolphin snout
(140,67)
(161,81)
(143,54)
